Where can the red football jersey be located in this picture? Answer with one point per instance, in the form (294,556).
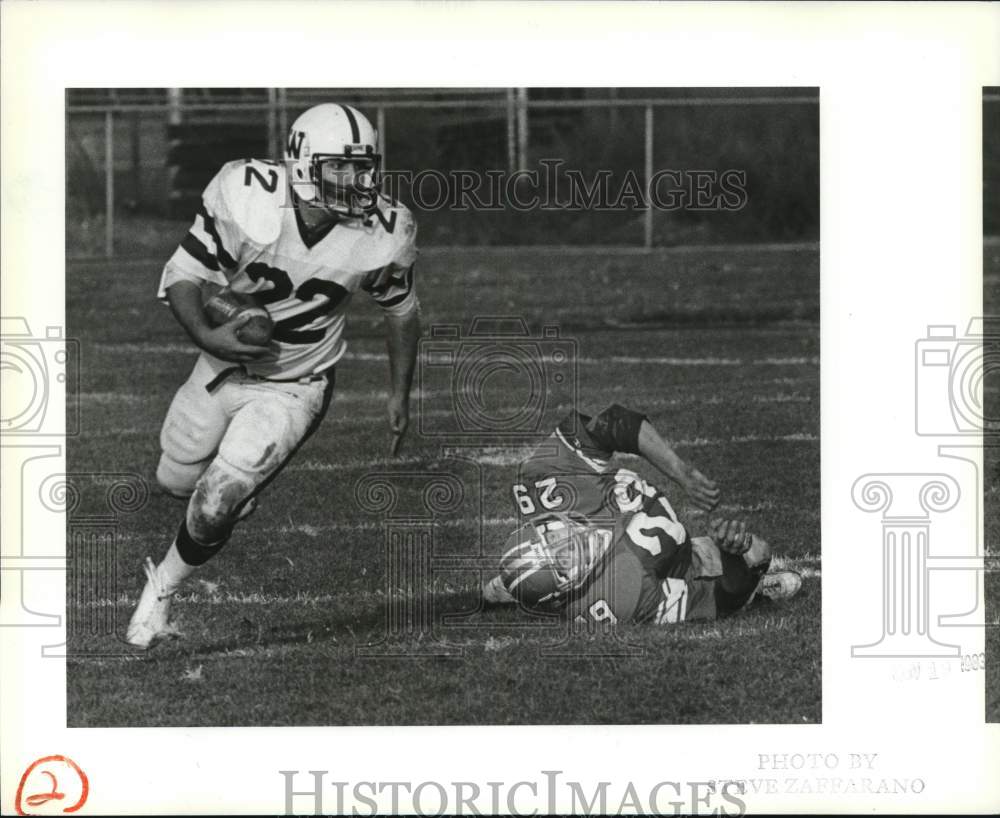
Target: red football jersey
(569,473)
(641,576)
(650,574)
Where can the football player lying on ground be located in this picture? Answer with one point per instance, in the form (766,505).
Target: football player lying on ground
(301,236)
(602,545)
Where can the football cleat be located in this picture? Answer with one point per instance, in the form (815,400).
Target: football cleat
(149,623)
(495,594)
(780,585)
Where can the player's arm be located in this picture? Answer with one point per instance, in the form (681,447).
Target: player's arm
(392,288)
(185,300)
(704,493)
(618,429)
(402,337)
(204,262)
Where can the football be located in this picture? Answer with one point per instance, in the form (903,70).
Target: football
(255,324)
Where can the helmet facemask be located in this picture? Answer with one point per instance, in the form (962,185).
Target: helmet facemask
(555,558)
(572,552)
(346,184)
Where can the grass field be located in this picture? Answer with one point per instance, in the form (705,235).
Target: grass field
(719,346)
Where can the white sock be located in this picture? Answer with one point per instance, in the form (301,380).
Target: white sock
(173,570)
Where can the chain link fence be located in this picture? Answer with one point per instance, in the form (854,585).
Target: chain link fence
(501,166)
(991,161)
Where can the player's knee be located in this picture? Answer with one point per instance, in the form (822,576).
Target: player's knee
(178,479)
(257,440)
(193,427)
(214,507)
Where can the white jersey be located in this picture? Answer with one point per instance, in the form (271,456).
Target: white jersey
(248,235)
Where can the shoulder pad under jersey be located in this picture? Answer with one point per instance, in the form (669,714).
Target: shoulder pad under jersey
(253,192)
(395,230)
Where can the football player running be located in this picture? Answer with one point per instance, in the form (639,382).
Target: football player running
(302,236)
(603,545)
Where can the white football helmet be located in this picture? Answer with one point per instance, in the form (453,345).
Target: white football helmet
(548,559)
(342,137)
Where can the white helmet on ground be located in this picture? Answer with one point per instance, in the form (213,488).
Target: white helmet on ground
(549,558)
(342,137)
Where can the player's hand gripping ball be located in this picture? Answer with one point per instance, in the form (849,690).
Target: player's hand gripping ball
(730,536)
(255,324)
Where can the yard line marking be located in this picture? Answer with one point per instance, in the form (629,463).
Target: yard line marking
(500,458)
(811,361)
(655,359)
(734,628)
(504,456)
(249,598)
(684,400)
(111,397)
(355,462)
(788,381)
(642,360)
(646,359)
(377,395)
(145,347)
(507,522)
(210,594)
(782,398)
(316,531)
(132,431)
(522,250)
(696,442)
(637,360)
